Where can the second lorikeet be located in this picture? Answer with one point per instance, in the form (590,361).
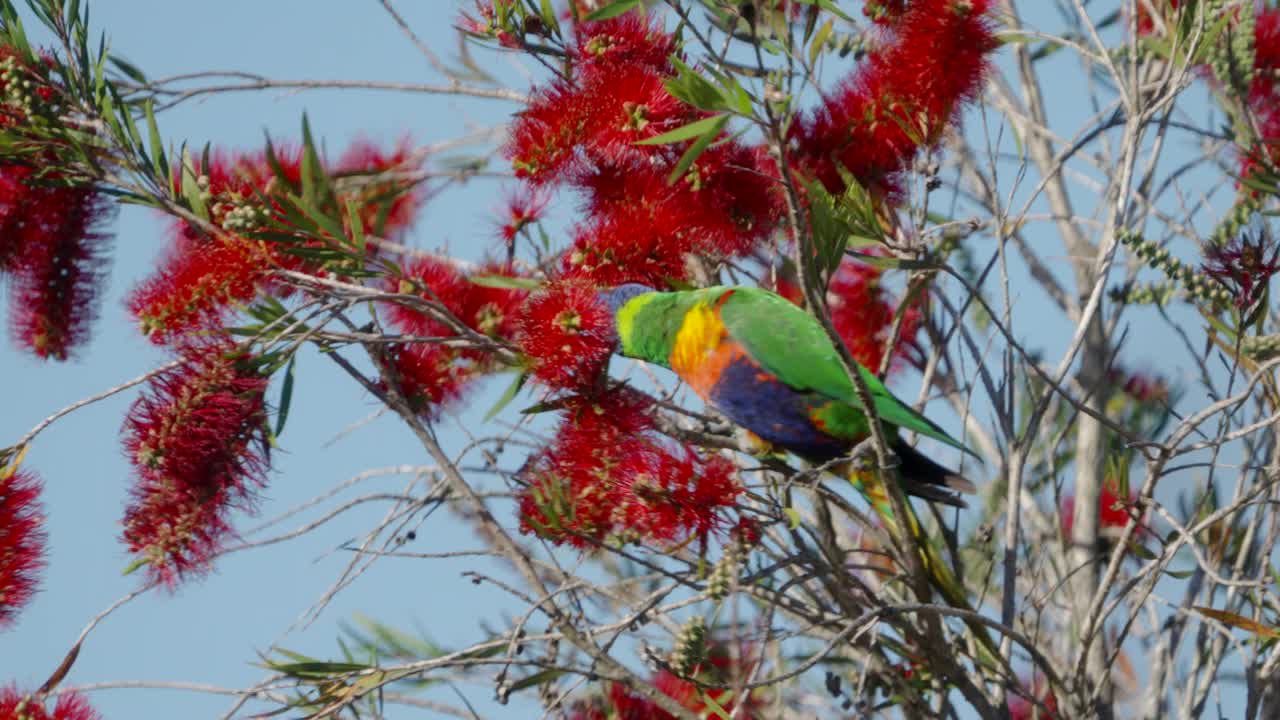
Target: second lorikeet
(769,366)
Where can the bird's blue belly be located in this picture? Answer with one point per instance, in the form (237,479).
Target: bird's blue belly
(780,415)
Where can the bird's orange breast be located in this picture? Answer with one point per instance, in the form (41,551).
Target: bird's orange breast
(702,350)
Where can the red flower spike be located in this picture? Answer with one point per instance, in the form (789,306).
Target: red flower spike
(627,105)
(1022,708)
(609,474)
(627,40)
(567,330)
(1144,23)
(199,283)
(50,235)
(59,268)
(198,443)
(862,312)
(440,282)
(432,377)
(1263,99)
(903,96)
(523,207)
(494,311)
(1244,266)
(544,137)
(1113,512)
(394,201)
(17,705)
(22,543)
(719,668)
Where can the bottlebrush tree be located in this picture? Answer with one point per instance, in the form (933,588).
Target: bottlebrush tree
(1049,232)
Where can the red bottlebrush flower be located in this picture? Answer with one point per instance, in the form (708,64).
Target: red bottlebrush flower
(642,229)
(488,310)
(1245,265)
(592,710)
(567,330)
(747,532)
(628,104)
(50,235)
(862,311)
(1021,707)
(432,377)
(903,95)
(494,311)
(16,705)
(22,542)
(1113,512)
(523,207)
(884,12)
(198,443)
(627,40)
(1143,388)
(486,26)
(546,134)
(719,668)
(14,193)
(1263,99)
(389,205)
(608,474)
(595,122)
(58,266)
(1144,21)
(438,281)
(199,283)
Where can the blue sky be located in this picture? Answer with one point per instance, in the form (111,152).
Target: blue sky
(210,631)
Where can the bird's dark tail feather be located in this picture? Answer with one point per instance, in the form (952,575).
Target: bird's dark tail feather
(926,479)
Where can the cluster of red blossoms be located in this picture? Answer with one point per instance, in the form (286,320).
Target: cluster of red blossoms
(1263,98)
(51,243)
(22,541)
(930,59)
(720,668)
(16,705)
(204,277)
(1114,512)
(199,447)
(580,132)
(609,474)
(1045,707)
(198,439)
(433,374)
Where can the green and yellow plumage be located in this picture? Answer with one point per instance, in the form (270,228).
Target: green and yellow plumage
(771,368)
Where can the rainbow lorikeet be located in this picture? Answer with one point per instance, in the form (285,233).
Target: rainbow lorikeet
(769,366)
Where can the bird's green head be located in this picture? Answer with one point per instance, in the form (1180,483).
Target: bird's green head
(647,320)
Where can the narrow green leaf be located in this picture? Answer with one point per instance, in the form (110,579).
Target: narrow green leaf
(829,7)
(129,69)
(506,282)
(538,678)
(286,395)
(550,18)
(190,188)
(159,160)
(510,394)
(697,148)
(357,226)
(820,41)
(613,10)
(685,132)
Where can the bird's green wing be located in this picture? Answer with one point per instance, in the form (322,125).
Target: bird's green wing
(790,343)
